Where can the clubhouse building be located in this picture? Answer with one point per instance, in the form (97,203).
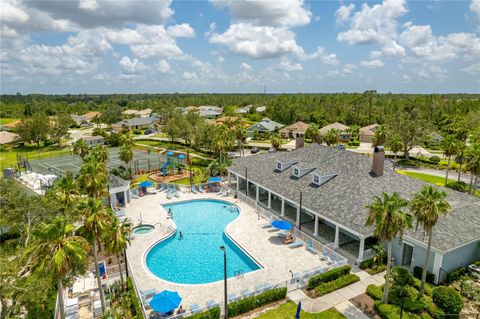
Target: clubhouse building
(324,191)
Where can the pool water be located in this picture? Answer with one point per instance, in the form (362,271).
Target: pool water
(143,229)
(195,257)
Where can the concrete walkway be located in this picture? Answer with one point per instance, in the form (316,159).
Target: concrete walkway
(339,298)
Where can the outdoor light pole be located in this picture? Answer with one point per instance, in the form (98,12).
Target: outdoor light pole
(190,164)
(246,181)
(225,279)
(300,217)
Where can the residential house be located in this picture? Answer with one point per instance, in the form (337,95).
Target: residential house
(244,109)
(366,133)
(93,140)
(135,123)
(345,135)
(81,120)
(144,113)
(266,125)
(261,109)
(291,131)
(209,114)
(8,137)
(129,113)
(324,192)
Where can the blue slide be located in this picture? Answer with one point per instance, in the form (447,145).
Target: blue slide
(164,167)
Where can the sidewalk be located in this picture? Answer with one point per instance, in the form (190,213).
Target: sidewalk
(340,298)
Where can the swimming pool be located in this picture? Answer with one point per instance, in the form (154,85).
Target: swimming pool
(195,257)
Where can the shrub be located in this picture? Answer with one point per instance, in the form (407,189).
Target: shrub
(328,276)
(340,282)
(417,273)
(213,313)
(245,305)
(448,299)
(137,132)
(387,311)
(134,298)
(458,186)
(411,302)
(401,276)
(434,159)
(376,292)
(367,263)
(417,283)
(456,274)
(405,162)
(200,162)
(377,269)
(433,310)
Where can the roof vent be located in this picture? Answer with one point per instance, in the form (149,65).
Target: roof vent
(280,166)
(299,172)
(319,180)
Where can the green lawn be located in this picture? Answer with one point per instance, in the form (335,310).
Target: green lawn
(288,311)
(9,157)
(170,146)
(6,120)
(437,180)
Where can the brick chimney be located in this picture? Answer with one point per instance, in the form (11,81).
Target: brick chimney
(378,161)
(299,140)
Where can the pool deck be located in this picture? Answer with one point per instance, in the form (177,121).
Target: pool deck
(263,244)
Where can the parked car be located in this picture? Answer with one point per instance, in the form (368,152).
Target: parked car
(340,147)
(254,150)
(148,131)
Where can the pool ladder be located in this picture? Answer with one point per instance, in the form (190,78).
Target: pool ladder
(238,274)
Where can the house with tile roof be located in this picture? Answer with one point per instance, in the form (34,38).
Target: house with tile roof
(366,133)
(292,130)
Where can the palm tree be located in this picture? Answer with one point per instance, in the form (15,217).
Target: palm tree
(276,141)
(396,145)
(461,157)
(241,136)
(332,137)
(222,140)
(427,206)
(93,178)
(65,191)
(57,252)
(100,152)
(473,164)
(390,221)
(117,238)
(81,148)
(96,218)
(126,156)
(449,147)
(314,134)
(380,136)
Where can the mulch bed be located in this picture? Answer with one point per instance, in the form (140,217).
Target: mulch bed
(366,304)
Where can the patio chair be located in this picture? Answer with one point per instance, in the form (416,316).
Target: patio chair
(194,308)
(262,287)
(169,194)
(200,189)
(296,243)
(310,247)
(246,293)
(194,190)
(212,303)
(176,194)
(134,194)
(161,187)
(233,296)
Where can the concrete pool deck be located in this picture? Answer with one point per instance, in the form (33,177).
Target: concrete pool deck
(263,244)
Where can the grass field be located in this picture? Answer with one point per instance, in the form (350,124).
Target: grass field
(168,145)
(9,157)
(288,311)
(6,120)
(437,180)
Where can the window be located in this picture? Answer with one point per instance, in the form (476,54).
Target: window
(279,166)
(295,172)
(316,179)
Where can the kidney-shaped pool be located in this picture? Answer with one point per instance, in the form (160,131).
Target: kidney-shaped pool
(193,255)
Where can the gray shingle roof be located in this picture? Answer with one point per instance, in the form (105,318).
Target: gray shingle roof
(264,125)
(138,121)
(343,198)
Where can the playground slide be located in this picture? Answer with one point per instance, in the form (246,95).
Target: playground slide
(164,167)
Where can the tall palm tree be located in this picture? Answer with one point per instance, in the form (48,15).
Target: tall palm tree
(57,252)
(449,147)
(222,140)
(314,134)
(395,144)
(276,141)
(96,217)
(473,164)
(100,152)
(427,206)
(65,191)
(390,220)
(241,136)
(332,137)
(126,156)
(117,238)
(380,136)
(93,178)
(460,157)
(81,148)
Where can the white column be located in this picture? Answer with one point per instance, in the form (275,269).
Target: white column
(282,210)
(297,221)
(238,183)
(257,193)
(229,178)
(315,228)
(337,236)
(269,200)
(125,199)
(437,264)
(361,250)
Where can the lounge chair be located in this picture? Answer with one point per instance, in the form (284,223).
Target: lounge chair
(176,194)
(161,187)
(268,224)
(296,243)
(200,189)
(310,247)
(246,293)
(262,287)
(169,194)
(134,194)
(212,303)
(233,296)
(193,190)
(194,308)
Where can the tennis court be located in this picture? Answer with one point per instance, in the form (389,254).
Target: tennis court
(72,163)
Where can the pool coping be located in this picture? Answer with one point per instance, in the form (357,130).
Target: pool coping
(145,253)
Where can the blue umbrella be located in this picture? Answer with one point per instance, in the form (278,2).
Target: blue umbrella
(146,184)
(214,179)
(165,301)
(169,153)
(181,156)
(299,308)
(282,225)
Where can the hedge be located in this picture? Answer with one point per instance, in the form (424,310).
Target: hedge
(247,304)
(377,269)
(134,298)
(434,311)
(417,273)
(376,292)
(428,289)
(387,311)
(411,302)
(340,282)
(448,299)
(456,274)
(401,276)
(459,186)
(328,276)
(213,313)
(367,263)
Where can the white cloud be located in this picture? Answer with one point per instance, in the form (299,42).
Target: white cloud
(475,7)
(88,5)
(183,30)
(287,13)
(344,13)
(203,67)
(325,58)
(245,67)
(372,64)
(12,12)
(162,66)
(190,76)
(220,59)
(258,41)
(101,77)
(131,66)
(289,66)
(473,69)
(430,71)
(347,69)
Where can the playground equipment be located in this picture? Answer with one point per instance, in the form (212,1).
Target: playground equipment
(173,163)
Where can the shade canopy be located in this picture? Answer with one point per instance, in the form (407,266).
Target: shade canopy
(146,184)
(169,153)
(214,179)
(165,301)
(181,156)
(282,225)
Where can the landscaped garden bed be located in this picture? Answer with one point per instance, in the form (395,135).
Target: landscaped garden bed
(329,281)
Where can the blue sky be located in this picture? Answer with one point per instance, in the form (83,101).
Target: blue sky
(137,46)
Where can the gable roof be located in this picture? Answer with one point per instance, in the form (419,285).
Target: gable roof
(368,130)
(338,126)
(129,112)
(265,125)
(7,137)
(296,127)
(137,121)
(343,198)
(144,112)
